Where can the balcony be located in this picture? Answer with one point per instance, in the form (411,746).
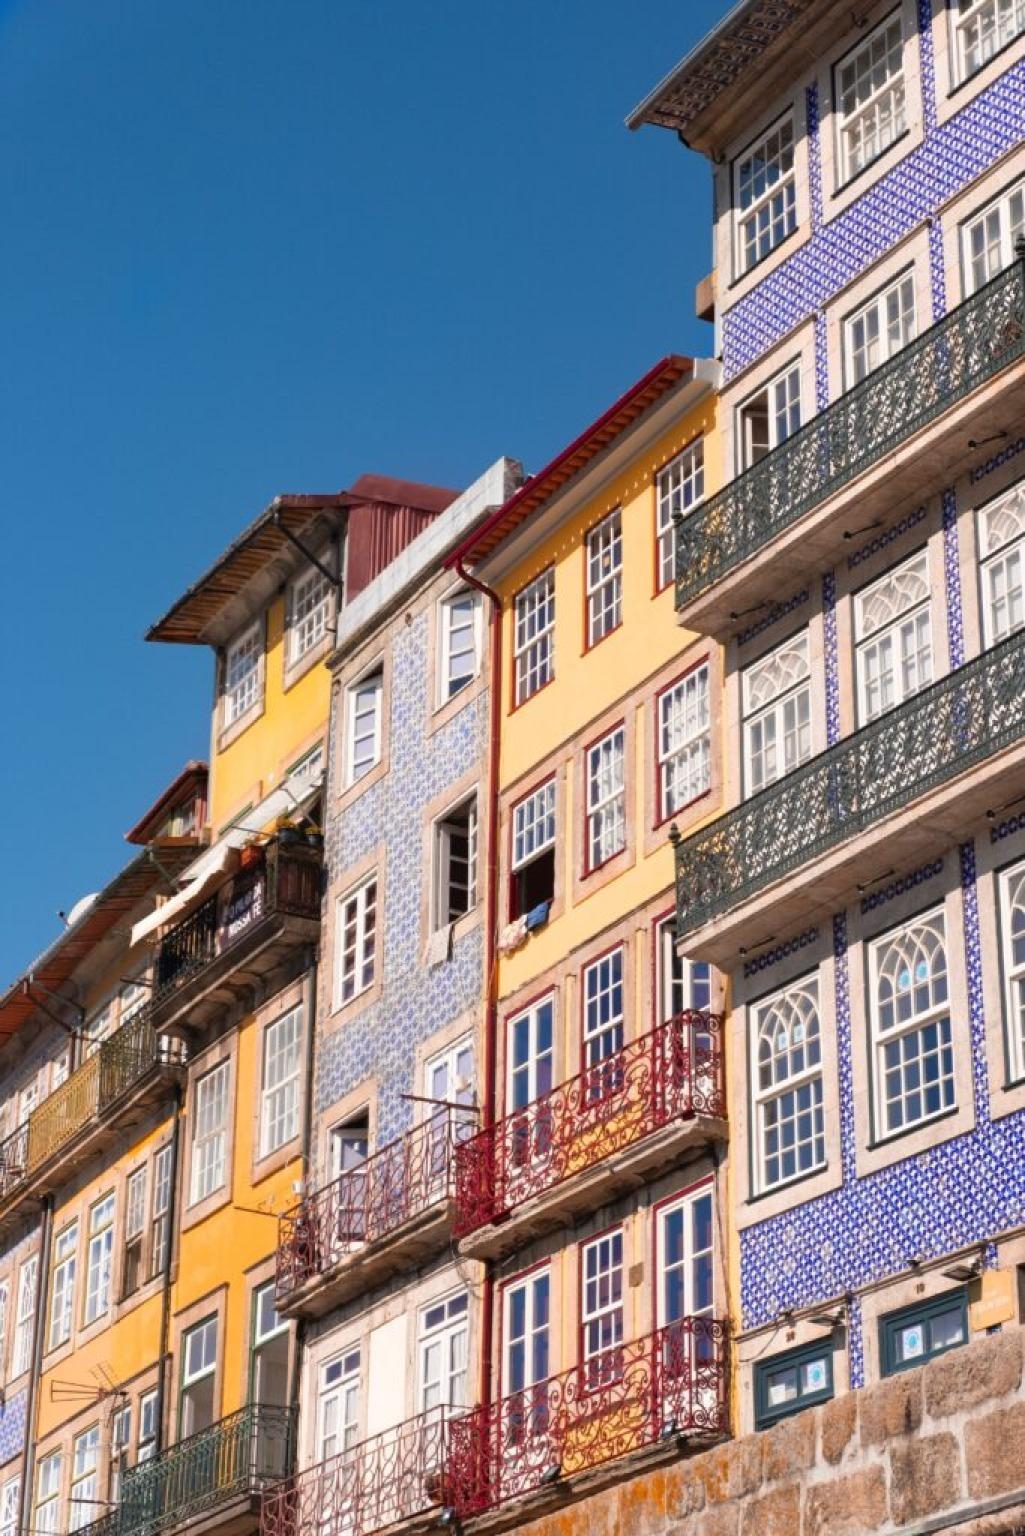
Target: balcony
(211,1481)
(370,1222)
(106,1095)
(906,787)
(240,933)
(886,444)
(631,1116)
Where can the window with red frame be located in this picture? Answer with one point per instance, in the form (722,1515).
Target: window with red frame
(681,485)
(533,851)
(603,1023)
(606,798)
(604,577)
(684,742)
(601,1308)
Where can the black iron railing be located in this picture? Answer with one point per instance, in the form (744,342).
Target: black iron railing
(968,346)
(931,738)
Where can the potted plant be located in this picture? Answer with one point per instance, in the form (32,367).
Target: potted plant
(250,854)
(289,833)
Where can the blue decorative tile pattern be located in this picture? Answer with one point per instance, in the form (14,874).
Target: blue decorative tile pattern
(898,887)
(832,658)
(937,269)
(811,109)
(12,1426)
(881,540)
(998,460)
(952,574)
(777,611)
(1004,829)
(855,1344)
(927,62)
(973,972)
(845,1065)
(780,952)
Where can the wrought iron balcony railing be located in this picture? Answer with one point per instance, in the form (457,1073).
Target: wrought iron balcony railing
(393,1476)
(13,1162)
(941,732)
(368,1203)
(671,1383)
(948,361)
(672,1073)
(285,884)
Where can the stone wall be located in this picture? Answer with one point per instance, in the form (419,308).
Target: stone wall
(937,1449)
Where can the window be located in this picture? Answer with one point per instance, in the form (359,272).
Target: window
(199,1364)
(787,1080)
(120,1443)
(147,1446)
(98,1259)
(913,1053)
(1002,553)
(869,93)
(679,488)
(459,647)
(350,1143)
(309,767)
(60,1069)
(161,1211)
(48,1490)
(444,1335)
(85,1453)
(684,742)
(209,1142)
(685,1263)
(449,1079)
(533,850)
(682,984)
(989,237)
(920,1332)
(455,863)
(604,577)
(879,329)
(525,1313)
(242,673)
(268,1374)
(893,634)
(982,28)
(534,636)
(279,1107)
(135,1229)
(1012,916)
(776,701)
(310,604)
(96,1029)
(28,1276)
(131,997)
(339,1404)
(62,1286)
(29,1100)
(10,1497)
(770,416)
(603,1016)
(606,798)
(787,1383)
(4,1302)
(364,708)
(764,195)
(602,1307)
(355,942)
(529,1037)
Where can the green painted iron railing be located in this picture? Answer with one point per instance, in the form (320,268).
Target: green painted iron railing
(955,723)
(953,357)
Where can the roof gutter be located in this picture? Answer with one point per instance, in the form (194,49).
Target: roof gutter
(639,116)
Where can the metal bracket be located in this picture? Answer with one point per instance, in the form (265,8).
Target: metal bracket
(329,576)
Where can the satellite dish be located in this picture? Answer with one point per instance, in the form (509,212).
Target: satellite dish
(81,907)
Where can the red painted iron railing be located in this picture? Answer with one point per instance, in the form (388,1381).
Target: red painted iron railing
(367,1203)
(672,1073)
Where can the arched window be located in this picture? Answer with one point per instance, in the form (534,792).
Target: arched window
(1013,924)
(787,1079)
(910,1007)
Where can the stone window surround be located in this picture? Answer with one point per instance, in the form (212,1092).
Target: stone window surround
(296,995)
(797,347)
(556,766)
(434,811)
(959,210)
(254,1278)
(1005,1094)
(213,1304)
(952,94)
(910,254)
(467,1025)
(360,665)
(373,864)
(699,653)
(441,711)
(364,1096)
(739,283)
(292,672)
(17,1258)
(807,617)
(226,734)
(587,877)
(224,1049)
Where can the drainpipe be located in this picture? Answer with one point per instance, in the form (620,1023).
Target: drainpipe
(490,939)
(310,1012)
(38,1324)
(165,1295)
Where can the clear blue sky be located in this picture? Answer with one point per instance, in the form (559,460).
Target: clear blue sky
(253,246)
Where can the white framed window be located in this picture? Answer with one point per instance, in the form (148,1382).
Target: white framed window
(339,1402)
(685,1252)
(601,1311)
(120,1445)
(98,1259)
(459,642)
(776,701)
(534,636)
(606,798)
(96,1030)
(209,1133)
(84,1500)
(893,637)
(28,1279)
(132,996)
(605,577)
(5,1301)
(679,489)
(912,1046)
(603,1007)
(526,1321)
(1002,563)
(530,1053)
(148,1413)
(786,1078)
(533,850)
(764,194)
(683,985)
(242,673)
(199,1367)
(310,610)
(880,328)
(988,237)
(282,1058)
(60,1069)
(135,1232)
(269,1355)
(10,1498)
(449,1078)
(160,1215)
(769,416)
(870,97)
(28,1100)
(443,1346)
(455,863)
(684,741)
(1012,915)
(48,1493)
(310,766)
(981,29)
(349,1143)
(355,942)
(62,1286)
(364,708)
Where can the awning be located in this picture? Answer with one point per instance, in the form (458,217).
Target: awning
(198,884)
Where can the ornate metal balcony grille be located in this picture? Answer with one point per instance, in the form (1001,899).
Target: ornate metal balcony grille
(947,728)
(672,1073)
(366,1204)
(953,357)
(393,1476)
(672,1382)
(13,1161)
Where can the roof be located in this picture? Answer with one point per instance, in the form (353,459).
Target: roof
(540,488)
(190,782)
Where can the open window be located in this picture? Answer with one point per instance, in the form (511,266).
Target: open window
(268,1372)
(533,851)
(455,863)
(199,1366)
